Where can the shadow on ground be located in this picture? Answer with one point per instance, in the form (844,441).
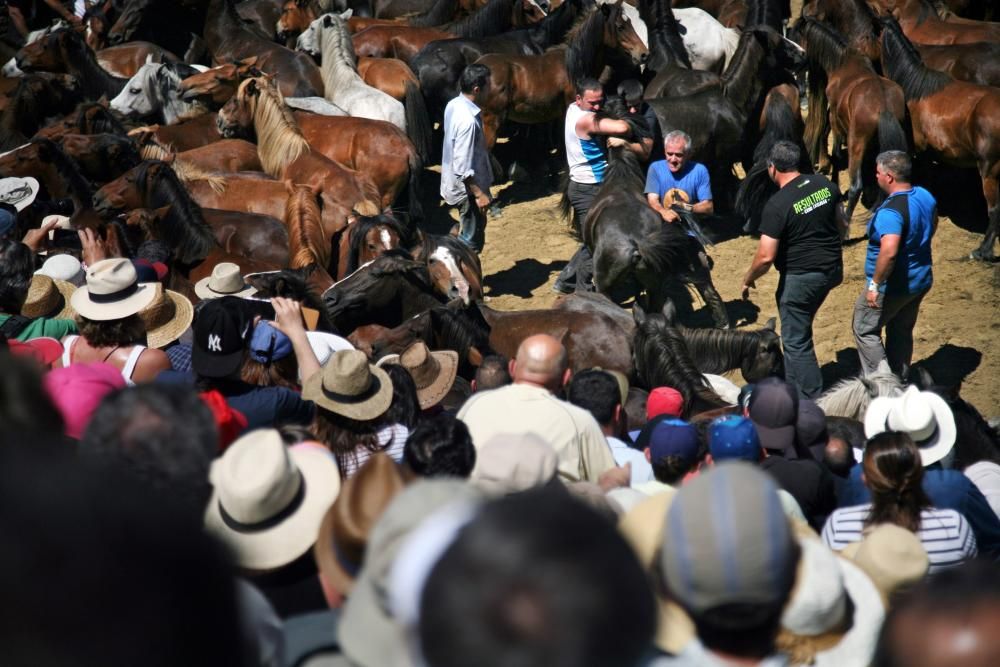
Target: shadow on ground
(949,365)
(520,279)
(846,366)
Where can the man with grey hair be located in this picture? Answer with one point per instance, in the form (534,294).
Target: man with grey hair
(897,266)
(801,229)
(677,183)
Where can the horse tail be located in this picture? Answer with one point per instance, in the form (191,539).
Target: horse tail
(418,121)
(414,192)
(891,137)
(817,122)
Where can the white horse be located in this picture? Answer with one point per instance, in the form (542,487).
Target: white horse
(710,45)
(851,397)
(154,90)
(328,36)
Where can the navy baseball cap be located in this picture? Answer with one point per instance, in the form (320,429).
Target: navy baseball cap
(669,436)
(8,220)
(733,437)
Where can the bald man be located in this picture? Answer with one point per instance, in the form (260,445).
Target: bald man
(529,406)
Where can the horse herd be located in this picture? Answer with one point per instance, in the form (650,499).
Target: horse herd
(292,137)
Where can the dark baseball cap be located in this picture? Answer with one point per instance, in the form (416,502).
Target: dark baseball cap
(774,409)
(668,436)
(221,330)
(810,426)
(733,437)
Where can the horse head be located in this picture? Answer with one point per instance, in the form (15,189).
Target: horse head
(119,195)
(371,237)
(454,269)
(136,98)
(43,54)
(397,339)
(216,86)
(620,34)
(296,15)
(769,361)
(236,116)
(128,22)
(308,39)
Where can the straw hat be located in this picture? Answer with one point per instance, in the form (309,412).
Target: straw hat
(112,292)
(432,372)
(344,532)
(18,192)
(48,298)
(268,499)
(350,386)
(226,280)
(923,415)
(167,318)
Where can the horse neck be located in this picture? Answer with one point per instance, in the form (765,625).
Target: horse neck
(906,68)
(553,28)
(340,70)
(222,22)
(440,12)
(662,359)
(279,140)
(741,83)
(585,50)
(306,237)
(664,36)
(492,19)
(184,227)
(624,171)
(717,350)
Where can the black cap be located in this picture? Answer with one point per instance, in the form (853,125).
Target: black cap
(774,408)
(221,330)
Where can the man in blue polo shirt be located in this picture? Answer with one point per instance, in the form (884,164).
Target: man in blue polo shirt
(898,266)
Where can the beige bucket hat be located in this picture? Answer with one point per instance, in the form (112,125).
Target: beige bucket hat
(112,292)
(226,280)
(350,386)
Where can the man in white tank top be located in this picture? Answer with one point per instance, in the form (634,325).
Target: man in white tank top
(588,162)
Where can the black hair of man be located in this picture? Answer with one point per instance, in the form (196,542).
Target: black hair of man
(163,435)
(849,430)
(745,630)
(493,373)
(537,579)
(17,265)
(897,163)
(955,595)
(588,83)
(440,446)
(630,91)
(838,457)
(597,392)
(99,553)
(784,156)
(474,76)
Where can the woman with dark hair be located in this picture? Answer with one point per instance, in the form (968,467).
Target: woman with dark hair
(405,408)
(17,267)
(893,473)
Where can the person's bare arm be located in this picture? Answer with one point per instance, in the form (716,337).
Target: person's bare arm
(703,207)
(288,320)
(590,124)
(884,264)
(665,213)
(767,250)
(150,364)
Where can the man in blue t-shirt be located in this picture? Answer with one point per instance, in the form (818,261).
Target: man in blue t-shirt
(898,266)
(677,182)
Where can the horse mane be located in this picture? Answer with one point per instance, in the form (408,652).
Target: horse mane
(439,13)
(927,11)
(184,228)
(901,62)
(154,151)
(763,12)
(851,397)
(23,106)
(103,120)
(339,66)
(458,331)
(186,170)
(360,229)
(664,249)
(279,140)
(68,170)
(557,23)
(663,30)
(661,358)
(740,79)
(493,18)
(583,42)
(624,171)
(826,48)
(306,237)
(720,350)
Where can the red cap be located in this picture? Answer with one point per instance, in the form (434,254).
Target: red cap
(230,421)
(664,401)
(44,350)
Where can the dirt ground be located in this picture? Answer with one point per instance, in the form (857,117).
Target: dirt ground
(957,334)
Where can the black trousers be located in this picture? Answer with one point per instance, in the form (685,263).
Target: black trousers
(579,273)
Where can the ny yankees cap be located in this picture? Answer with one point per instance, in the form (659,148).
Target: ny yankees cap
(221,331)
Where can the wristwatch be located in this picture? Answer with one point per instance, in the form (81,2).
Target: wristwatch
(872,286)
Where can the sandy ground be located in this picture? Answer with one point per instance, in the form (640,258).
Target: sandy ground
(957,334)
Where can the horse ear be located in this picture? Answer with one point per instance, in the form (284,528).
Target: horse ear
(249,61)
(638,314)
(289,186)
(347,13)
(327,20)
(162,212)
(771,323)
(353,217)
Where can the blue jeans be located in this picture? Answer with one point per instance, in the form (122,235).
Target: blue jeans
(799,298)
(472,224)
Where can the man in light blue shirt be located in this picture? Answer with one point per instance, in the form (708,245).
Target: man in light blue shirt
(466,174)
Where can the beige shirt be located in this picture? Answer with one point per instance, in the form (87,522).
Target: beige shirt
(521,408)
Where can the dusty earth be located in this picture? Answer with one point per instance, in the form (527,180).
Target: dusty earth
(958,333)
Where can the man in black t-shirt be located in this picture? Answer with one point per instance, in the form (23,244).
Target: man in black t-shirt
(802,227)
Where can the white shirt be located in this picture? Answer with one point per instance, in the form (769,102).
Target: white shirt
(641,470)
(986,476)
(580,445)
(464,152)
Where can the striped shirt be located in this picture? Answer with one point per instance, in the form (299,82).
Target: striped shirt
(945,534)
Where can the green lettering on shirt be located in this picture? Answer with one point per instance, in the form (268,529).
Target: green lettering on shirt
(810,202)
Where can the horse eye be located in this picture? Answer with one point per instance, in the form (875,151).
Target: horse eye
(135,91)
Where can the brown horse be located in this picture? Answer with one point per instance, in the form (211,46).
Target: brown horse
(228,39)
(286,154)
(537,89)
(855,20)
(87,118)
(215,86)
(395,41)
(185,135)
(976,63)
(308,244)
(388,75)
(454,267)
(97,21)
(101,157)
(954,121)
(920,23)
(64,51)
(126,59)
(865,110)
(155,184)
(366,238)
(227,155)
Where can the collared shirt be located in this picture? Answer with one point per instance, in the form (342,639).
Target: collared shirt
(581,447)
(641,470)
(464,152)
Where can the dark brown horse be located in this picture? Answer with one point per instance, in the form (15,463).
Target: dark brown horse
(976,63)
(64,51)
(454,267)
(537,89)
(395,41)
(854,20)
(101,157)
(864,110)
(365,238)
(953,121)
(87,118)
(35,98)
(920,23)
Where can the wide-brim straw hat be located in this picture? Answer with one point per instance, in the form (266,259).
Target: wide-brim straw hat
(348,385)
(268,499)
(923,415)
(226,280)
(167,318)
(112,292)
(433,372)
(49,298)
(347,525)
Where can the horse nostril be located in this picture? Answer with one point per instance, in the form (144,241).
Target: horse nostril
(644,57)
